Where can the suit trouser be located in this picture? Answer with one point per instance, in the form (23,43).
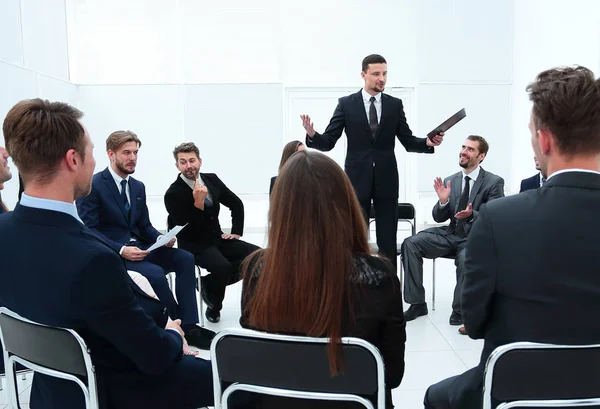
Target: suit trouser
(223,261)
(156,266)
(430,244)
(386,224)
(458,392)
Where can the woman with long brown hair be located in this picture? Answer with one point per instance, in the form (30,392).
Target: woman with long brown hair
(317,277)
(288,150)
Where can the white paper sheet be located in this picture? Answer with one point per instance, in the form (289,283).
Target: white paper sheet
(166,237)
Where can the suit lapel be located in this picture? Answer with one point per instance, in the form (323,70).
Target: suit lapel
(211,189)
(477,185)
(112,188)
(456,189)
(385,107)
(133,192)
(359,105)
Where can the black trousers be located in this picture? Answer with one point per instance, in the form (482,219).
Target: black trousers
(223,260)
(386,224)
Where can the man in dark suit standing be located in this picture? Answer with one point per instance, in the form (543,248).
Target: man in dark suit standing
(460,197)
(67,276)
(5,175)
(372,120)
(534,182)
(194,199)
(116,210)
(536,278)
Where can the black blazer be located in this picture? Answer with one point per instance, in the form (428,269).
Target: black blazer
(75,280)
(203,229)
(103,212)
(378,314)
(370,160)
(530,183)
(531,274)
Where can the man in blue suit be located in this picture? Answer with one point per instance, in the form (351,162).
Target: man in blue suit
(535,181)
(79,281)
(116,211)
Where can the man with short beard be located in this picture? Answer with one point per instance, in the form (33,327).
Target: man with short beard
(67,276)
(195,199)
(460,197)
(5,175)
(116,210)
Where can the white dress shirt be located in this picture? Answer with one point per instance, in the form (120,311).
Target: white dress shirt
(473,175)
(367,101)
(191,182)
(118,180)
(558,172)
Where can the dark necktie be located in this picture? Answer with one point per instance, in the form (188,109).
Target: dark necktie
(462,205)
(373,117)
(543,181)
(207,202)
(124,200)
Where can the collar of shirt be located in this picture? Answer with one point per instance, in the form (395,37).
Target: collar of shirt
(367,97)
(117,178)
(473,175)
(558,172)
(48,204)
(189,182)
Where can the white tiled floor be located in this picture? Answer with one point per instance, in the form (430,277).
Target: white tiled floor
(434,349)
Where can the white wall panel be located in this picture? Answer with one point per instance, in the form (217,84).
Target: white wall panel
(11,46)
(230,42)
(488,115)
(239,131)
(465,41)
(45,37)
(153,112)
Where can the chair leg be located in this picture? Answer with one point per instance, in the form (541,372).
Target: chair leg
(199,296)
(433,288)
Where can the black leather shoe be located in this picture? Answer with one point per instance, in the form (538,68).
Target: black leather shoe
(414,311)
(455,318)
(199,337)
(206,297)
(213,315)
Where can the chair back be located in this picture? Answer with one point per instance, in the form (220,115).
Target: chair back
(406,213)
(528,374)
(295,367)
(53,351)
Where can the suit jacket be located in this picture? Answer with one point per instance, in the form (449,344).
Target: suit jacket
(487,187)
(378,319)
(203,229)
(77,281)
(530,183)
(370,160)
(103,213)
(272,185)
(531,274)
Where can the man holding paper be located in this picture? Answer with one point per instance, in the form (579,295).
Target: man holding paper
(372,121)
(116,211)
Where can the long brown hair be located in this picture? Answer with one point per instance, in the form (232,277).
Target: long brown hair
(288,150)
(316,231)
